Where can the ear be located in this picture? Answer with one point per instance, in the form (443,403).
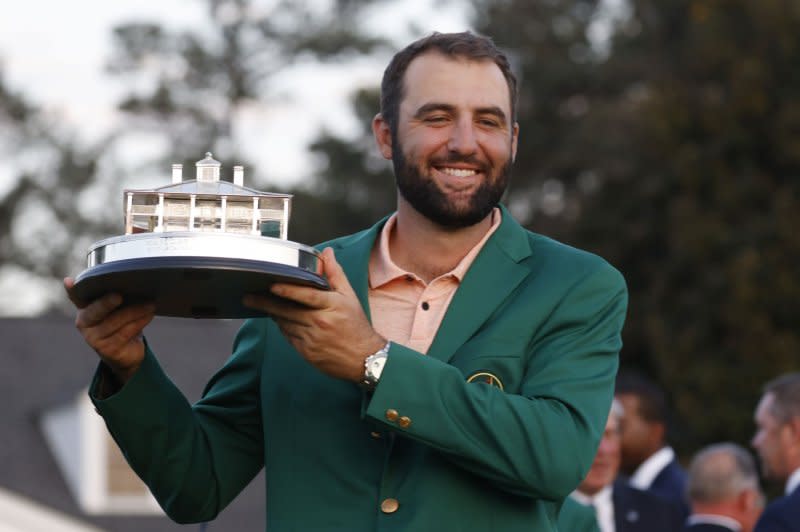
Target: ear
(383,135)
(658,434)
(794,426)
(514,141)
(746,500)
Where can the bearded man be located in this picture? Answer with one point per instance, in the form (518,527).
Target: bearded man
(456,376)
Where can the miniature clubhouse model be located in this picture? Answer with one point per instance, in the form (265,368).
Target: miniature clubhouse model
(196,247)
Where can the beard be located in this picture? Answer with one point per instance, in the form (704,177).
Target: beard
(422,192)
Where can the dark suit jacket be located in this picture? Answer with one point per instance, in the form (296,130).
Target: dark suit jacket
(637,510)
(542,317)
(670,483)
(782,515)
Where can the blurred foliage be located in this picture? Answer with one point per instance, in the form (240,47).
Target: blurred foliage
(354,186)
(190,85)
(41,213)
(689,128)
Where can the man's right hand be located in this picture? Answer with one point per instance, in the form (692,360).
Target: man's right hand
(114,332)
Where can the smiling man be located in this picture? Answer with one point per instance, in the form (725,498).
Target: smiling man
(457,375)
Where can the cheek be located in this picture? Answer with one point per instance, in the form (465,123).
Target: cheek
(499,150)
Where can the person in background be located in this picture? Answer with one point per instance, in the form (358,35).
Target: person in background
(456,376)
(620,507)
(777,442)
(647,460)
(723,490)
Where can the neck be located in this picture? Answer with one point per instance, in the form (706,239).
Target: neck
(726,509)
(428,250)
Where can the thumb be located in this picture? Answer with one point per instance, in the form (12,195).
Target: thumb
(334,272)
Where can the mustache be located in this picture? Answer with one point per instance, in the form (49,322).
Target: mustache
(463,159)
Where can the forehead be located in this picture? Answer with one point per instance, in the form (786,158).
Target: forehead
(764,410)
(630,402)
(434,77)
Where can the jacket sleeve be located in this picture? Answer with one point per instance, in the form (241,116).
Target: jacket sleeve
(540,439)
(195,459)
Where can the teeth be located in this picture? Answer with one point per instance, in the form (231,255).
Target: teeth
(458,172)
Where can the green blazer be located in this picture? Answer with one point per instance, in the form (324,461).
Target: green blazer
(577,517)
(428,450)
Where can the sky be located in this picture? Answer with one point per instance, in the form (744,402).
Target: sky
(54,53)
(58,61)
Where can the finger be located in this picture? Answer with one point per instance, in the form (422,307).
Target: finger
(123,335)
(314,297)
(134,328)
(118,321)
(333,271)
(98,310)
(69,282)
(274,307)
(306,296)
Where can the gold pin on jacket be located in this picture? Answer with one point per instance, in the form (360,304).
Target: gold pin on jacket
(488,378)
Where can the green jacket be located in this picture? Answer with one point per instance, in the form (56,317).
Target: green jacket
(541,317)
(577,517)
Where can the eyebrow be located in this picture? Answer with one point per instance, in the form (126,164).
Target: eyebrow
(434,106)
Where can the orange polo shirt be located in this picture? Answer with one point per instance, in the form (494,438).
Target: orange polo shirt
(404,308)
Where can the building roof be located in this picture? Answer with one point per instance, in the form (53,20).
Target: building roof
(215,188)
(45,363)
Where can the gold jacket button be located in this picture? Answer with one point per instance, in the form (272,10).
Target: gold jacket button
(404,422)
(389,506)
(392,415)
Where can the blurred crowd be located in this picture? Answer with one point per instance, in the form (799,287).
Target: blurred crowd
(637,483)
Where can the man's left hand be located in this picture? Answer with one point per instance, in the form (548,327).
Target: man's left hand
(328,328)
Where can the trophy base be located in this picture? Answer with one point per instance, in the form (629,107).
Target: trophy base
(191,287)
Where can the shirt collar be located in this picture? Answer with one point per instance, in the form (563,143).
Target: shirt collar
(794,481)
(601,497)
(648,470)
(383,269)
(713,519)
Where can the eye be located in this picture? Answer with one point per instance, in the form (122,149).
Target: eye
(435,119)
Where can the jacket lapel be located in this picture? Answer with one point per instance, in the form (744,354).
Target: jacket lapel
(353,255)
(495,273)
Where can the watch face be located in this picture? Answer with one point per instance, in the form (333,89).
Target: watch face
(376,366)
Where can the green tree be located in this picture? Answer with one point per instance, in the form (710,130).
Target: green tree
(707,210)
(194,83)
(45,228)
(354,186)
(686,132)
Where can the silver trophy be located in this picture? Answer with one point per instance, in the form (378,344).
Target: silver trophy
(196,247)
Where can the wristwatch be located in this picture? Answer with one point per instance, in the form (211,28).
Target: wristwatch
(373,367)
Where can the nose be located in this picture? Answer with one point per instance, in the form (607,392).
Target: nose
(462,138)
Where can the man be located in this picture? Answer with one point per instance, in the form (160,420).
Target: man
(619,506)
(455,377)
(723,490)
(777,442)
(647,459)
